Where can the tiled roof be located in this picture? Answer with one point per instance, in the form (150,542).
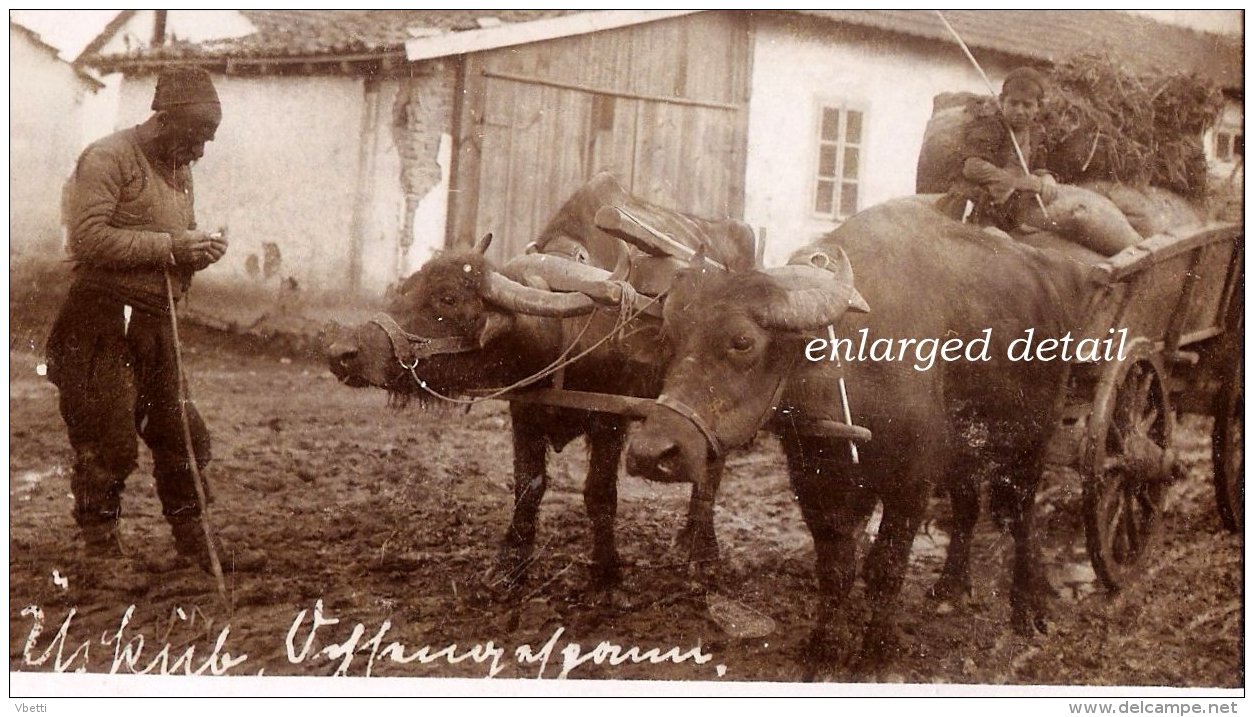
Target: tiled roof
(1051,35)
(1044,35)
(314,33)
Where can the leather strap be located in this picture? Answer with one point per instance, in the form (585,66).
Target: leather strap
(409,348)
(683,409)
(689,413)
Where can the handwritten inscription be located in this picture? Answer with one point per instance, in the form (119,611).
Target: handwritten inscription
(573,655)
(361,650)
(128,650)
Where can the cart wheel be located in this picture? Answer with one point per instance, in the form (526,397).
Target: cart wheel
(1228,443)
(1128,460)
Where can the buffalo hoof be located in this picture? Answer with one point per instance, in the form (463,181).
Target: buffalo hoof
(1028,624)
(608,599)
(705,577)
(606,573)
(882,644)
(822,653)
(1029,604)
(950,589)
(509,570)
(699,545)
(1028,621)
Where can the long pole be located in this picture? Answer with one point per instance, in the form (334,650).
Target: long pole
(844,397)
(214,563)
(1013,140)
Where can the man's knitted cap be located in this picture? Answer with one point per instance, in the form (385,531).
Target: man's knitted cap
(1025,78)
(179,86)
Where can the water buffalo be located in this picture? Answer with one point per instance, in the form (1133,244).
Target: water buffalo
(924,276)
(479,327)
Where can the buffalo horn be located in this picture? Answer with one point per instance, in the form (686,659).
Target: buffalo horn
(482,245)
(565,275)
(816,297)
(557,271)
(512,296)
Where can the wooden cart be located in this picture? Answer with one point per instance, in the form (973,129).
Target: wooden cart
(1180,299)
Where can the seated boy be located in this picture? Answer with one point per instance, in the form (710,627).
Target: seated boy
(992,178)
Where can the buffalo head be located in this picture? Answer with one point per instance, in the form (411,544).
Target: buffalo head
(736,338)
(454,318)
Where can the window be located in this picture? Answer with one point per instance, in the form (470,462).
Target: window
(839,163)
(1229,145)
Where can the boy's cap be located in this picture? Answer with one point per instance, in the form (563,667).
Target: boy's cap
(1025,78)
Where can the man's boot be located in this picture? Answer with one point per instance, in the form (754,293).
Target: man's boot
(100,538)
(106,566)
(189,542)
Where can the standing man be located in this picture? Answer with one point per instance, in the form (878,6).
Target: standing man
(132,233)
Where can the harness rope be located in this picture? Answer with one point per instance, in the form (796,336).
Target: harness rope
(625,315)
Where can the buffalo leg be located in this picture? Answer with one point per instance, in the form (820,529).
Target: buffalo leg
(955,578)
(600,497)
(698,535)
(1013,501)
(835,511)
(530,483)
(886,569)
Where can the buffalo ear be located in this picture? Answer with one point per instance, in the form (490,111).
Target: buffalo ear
(494,326)
(647,345)
(839,266)
(698,259)
(482,245)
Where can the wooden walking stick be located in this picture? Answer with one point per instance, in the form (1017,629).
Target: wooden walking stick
(214,563)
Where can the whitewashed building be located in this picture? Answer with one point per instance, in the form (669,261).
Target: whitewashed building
(47,100)
(356,143)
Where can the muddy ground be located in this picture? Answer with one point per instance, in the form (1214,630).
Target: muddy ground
(390,519)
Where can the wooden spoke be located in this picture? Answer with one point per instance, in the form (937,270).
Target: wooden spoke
(1129,435)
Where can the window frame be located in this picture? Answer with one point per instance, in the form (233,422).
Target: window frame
(844,105)
(1225,139)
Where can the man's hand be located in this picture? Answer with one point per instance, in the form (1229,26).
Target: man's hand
(1027,183)
(1044,185)
(196,249)
(218,245)
(1049,188)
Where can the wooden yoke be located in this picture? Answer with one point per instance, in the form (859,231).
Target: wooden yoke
(635,231)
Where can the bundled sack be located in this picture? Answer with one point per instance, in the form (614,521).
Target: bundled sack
(1150,210)
(941,158)
(1049,241)
(1084,217)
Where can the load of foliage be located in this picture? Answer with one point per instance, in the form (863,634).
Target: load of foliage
(1104,123)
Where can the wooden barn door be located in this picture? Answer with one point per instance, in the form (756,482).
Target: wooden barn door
(556,113)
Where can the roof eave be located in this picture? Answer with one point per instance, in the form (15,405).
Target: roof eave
(520,33)
(138,65)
